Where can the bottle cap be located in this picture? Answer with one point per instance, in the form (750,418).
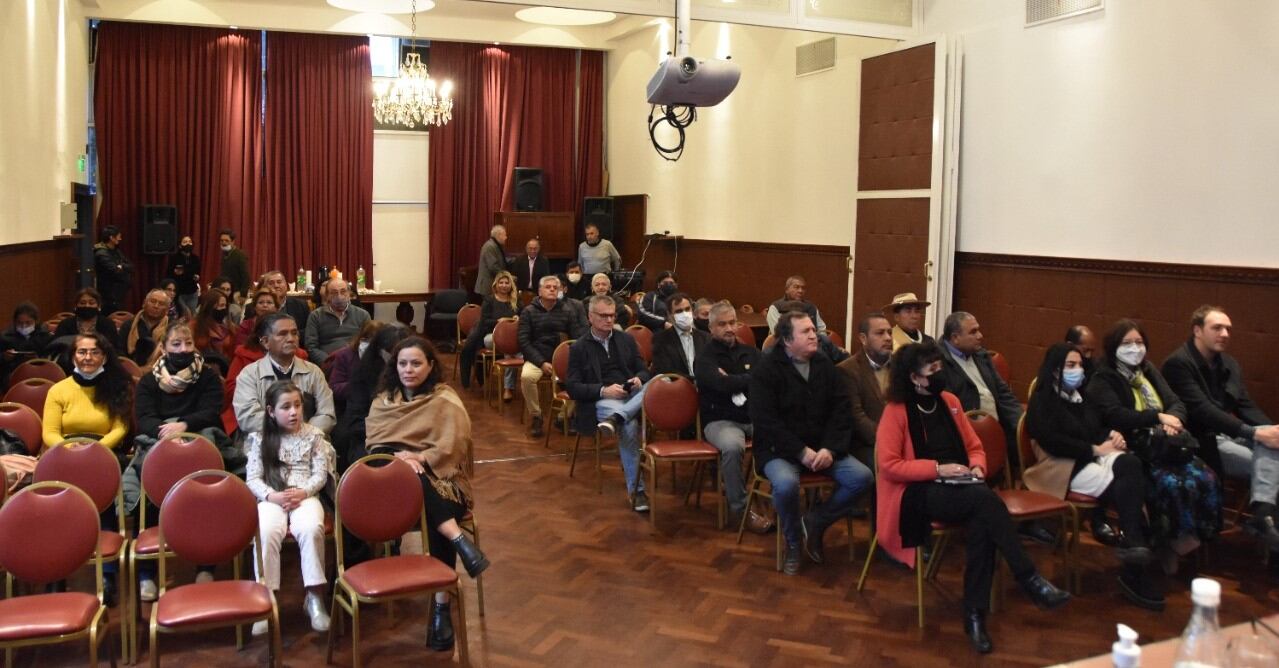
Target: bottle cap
(1205,591)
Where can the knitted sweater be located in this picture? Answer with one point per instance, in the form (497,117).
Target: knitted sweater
(70,409)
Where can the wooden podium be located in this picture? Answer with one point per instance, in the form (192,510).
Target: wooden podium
(555,229)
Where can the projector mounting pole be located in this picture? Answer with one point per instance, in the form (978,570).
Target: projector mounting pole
(683,19)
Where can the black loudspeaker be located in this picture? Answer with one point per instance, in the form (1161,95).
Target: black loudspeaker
(598,211)
(528,189)
(159,229)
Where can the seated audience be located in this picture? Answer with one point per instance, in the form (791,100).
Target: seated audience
(795,289)
(503,301)
(723,386)
(422,422)
(143,332)
(1236,438)
(88,318)
(343,362)
(543,324)
(923,439)
(971,376)
(245,354)
(606,377)
(824,344)
(908,318)
(297,307)
(675,349)
(601,284)
(331,326)
(348,435)
(177,311)
(866,377)
(234,309)
(280,339)
(25,339)
(652,306)
(264,302)
(212,335)
(702,314)
(1082,338)
(93,400)
(288,464)
(574,286)
(803,422)
(529,268)
(1183,495)
(1077,453)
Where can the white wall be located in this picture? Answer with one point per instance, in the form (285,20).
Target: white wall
(401,238)
(1149,131)
(43,112)
(775,162)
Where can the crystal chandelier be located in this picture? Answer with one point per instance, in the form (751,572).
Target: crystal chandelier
(413,97)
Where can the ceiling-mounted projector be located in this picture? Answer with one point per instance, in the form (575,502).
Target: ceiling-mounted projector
(687,81)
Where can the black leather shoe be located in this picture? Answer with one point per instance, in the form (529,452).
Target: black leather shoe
(1037,533)
(1262,525)
(1138,588)
(440,633)
(1043,593)
(975,627)
(790,559)
(472,559)
(1105,534)
(812,532)
(1132,553)
(536,429)
(108,590)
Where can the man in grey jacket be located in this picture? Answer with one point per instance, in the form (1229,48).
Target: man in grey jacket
(331,326)
(492,260)
(280,363)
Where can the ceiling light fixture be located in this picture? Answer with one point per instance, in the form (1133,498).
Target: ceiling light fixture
(557,16)
(413,97)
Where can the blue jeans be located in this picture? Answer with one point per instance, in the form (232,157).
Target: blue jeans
(628,437)
(851,479)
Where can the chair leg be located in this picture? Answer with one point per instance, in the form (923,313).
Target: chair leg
(599,468)
(479,579)
(652,486)
(123,596)
(355,632)
(852,545)
(459,628)
(919,582)
(572,460)
(870,554)
(750,497)
(276,658)
(335,624)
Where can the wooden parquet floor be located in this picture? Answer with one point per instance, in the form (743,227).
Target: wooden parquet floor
(578,579)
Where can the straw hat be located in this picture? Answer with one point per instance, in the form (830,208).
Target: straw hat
(905,299)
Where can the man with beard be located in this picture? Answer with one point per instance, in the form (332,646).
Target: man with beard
(866,375)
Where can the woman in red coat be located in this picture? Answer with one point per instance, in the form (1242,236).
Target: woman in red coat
(932,468)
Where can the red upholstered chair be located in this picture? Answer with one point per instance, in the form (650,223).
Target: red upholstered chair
(745,335)
(210,517)
(131,367)
(836,339)
(119,318)
(560,401)
(643,340)
(769,342)
(671,406)
(47,532)
(467,318)
(1079,503)
(25,422)
(169,461)
(30,393)
(37,368)
(379,504)
(1000,363)
(506,355)
(92,468)
(810,484)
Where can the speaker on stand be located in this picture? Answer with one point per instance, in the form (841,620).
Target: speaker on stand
(159,229)
(528,189)
(598,211)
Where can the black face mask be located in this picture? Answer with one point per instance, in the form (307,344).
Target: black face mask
(667,289)
(186,249)
(703,324)
(87,312)
(936,384)
(219,314)
(178,361)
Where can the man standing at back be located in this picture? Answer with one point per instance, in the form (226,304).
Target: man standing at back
(597,255)
(235,266)
(115,271)
(492,261)
(184,269)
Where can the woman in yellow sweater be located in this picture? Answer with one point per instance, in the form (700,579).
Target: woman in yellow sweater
(94,399)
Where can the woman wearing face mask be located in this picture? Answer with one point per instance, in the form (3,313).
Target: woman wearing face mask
(1077,453)
(575,286)
(88,318)
(923,440)
(601,284)
(25,339)
(503,302)
(211,329)
(345,359)
(652,307)
(184,267)
(177,310)
(1182,494)
(234,311)
(94,399)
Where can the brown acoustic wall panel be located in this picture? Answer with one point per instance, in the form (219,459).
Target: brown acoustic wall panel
(41,272)
(891,248)
(1026,303)
(896,125)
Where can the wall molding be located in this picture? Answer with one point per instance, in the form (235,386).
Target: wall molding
(1246,275)
(727,244)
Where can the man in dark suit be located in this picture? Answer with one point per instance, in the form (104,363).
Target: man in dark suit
(530,267)
(606,377)
(492,261)
(866,375)
(675,349)
(971,376)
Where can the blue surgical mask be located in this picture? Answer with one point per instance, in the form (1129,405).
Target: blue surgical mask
(1072,379)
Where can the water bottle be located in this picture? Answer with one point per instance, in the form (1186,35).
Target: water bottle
(1201,643)
(359,278)
(301,285)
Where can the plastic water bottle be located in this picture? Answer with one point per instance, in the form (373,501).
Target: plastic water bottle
(359,277)
(301,285)
(1201,643)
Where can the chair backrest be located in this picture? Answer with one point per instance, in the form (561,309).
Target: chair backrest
(746,308)
(745,335)
(86,464)
(1034,382)
(1000,363)
(131,367)
(4,482)
(643,340)
(379,502)
(174,458)
(670,402)
(208,517)
(1025,447)
(559,359)
(769,342)
(466,320)
(63,315)
(25,423)
(448,302)
(506,337)
(992,441)
(836,339)
(52,324)
(119,318)
(30,393)
(37,368)
(47,532)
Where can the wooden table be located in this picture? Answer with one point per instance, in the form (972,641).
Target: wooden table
(403,312)
(1162,653)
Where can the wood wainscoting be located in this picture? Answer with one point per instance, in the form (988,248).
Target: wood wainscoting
(42,272)
(754,273)
(1025,303)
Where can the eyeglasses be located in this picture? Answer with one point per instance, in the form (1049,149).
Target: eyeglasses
(88,352)
(606,316)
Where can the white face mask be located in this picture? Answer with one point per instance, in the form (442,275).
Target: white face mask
(684,321)
(26,330)
(574,278)
(1131,353)
(90,376)
(364,345)
(227,247)
(559,295)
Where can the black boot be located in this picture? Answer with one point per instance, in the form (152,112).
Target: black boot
(1262,525)
(813,529)
(1043,593)
(975,627)
(472,559)
(439,634)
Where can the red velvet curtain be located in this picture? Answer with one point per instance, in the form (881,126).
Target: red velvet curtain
(317,196)
(513,106)
(589,177)
(177,115)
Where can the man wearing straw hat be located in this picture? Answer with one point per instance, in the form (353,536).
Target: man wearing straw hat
(908,318)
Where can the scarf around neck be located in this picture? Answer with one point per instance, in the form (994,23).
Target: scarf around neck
(176,382)
(1142,387)
(157,332)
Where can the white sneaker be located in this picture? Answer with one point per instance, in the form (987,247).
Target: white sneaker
(147,590)
(314,607)
(201,577)
(261,628)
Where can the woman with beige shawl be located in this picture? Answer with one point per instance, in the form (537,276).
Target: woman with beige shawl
(423,422)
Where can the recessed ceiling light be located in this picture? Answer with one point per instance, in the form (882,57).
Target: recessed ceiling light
(383,6)
(556,16)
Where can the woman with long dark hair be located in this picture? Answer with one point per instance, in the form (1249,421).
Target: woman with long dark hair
(1183,494)
(1077,453)
(349,434)
(423,422)
(88,318)
(211,330)
(932,468)
(94,400)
